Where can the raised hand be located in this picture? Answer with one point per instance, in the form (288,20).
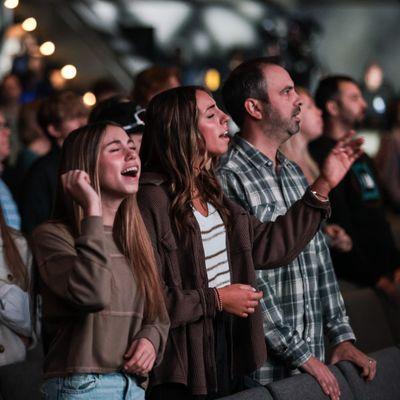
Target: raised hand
(239,299)
(76,183)
(324,377)
(338,162)
(140,357)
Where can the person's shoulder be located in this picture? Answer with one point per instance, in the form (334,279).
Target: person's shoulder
(233,162)
(49,159)
(52,228)
(153,190)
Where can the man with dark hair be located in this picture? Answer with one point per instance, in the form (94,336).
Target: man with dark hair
(301,301)
(356,202)
(58,115)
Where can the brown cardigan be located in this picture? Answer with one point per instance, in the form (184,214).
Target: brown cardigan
(189,357)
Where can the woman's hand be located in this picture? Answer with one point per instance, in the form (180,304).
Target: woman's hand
(239,299)
(76,183)
(339,239)
(140,357)
(337,163)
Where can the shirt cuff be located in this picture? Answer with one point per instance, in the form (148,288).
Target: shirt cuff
(312,201)
(296,356)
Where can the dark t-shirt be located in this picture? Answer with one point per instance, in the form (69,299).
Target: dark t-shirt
(357,207)
(38,191)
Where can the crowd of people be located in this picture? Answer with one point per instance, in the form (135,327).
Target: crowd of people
(163,256)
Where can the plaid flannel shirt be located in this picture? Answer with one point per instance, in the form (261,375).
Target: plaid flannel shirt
(301,300)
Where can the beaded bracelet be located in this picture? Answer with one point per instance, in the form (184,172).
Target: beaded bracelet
(218,298)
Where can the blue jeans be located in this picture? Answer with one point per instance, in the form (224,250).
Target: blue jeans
(111,386)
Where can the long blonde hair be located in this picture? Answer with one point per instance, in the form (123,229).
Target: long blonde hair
(81,151)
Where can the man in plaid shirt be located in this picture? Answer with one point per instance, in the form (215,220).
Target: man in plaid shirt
(301,301)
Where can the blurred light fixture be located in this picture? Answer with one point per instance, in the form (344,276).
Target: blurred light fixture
(68,71)
(227,27)
(89,99)
(11,4)
(379,104)
(212,79)
(29,24)
(373,77)
(47,48)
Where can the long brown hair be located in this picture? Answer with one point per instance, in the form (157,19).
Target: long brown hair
(173,145)
(12,256)
(81,151)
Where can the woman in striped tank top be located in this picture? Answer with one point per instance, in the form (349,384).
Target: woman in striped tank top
(207,247)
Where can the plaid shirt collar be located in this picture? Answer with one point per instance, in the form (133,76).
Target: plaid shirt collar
(255,156)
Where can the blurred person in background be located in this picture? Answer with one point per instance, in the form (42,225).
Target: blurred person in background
(296,149)
(152,81)
(58,115)
(357,205)
(10,103)
(387,159)
(16,327)
(123,112)
(34,144)
(7,202)
(105,88)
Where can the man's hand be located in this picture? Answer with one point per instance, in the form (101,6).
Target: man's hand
(140,357)
(346,351)
(324,376)
(337,163)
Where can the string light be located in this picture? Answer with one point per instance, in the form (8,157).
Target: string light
(47,48)
(89,99)
(212,79)
(29,24)
(11,4)
(68,71)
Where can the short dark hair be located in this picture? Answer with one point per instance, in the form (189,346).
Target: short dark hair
(60,107)
(246,81)
(152,80)
(328,89)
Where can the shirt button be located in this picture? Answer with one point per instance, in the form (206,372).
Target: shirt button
(2,348)
(10,277)
(308,340)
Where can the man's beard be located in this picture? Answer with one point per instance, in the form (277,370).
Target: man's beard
(290,125)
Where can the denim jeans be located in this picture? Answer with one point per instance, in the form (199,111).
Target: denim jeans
(111,386)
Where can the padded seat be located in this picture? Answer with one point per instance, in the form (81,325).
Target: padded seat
(368,320)
(305,387)
(385,386)
(258,393)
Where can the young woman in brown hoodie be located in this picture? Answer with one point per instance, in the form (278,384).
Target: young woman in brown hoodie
(104,321)
(207,247)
